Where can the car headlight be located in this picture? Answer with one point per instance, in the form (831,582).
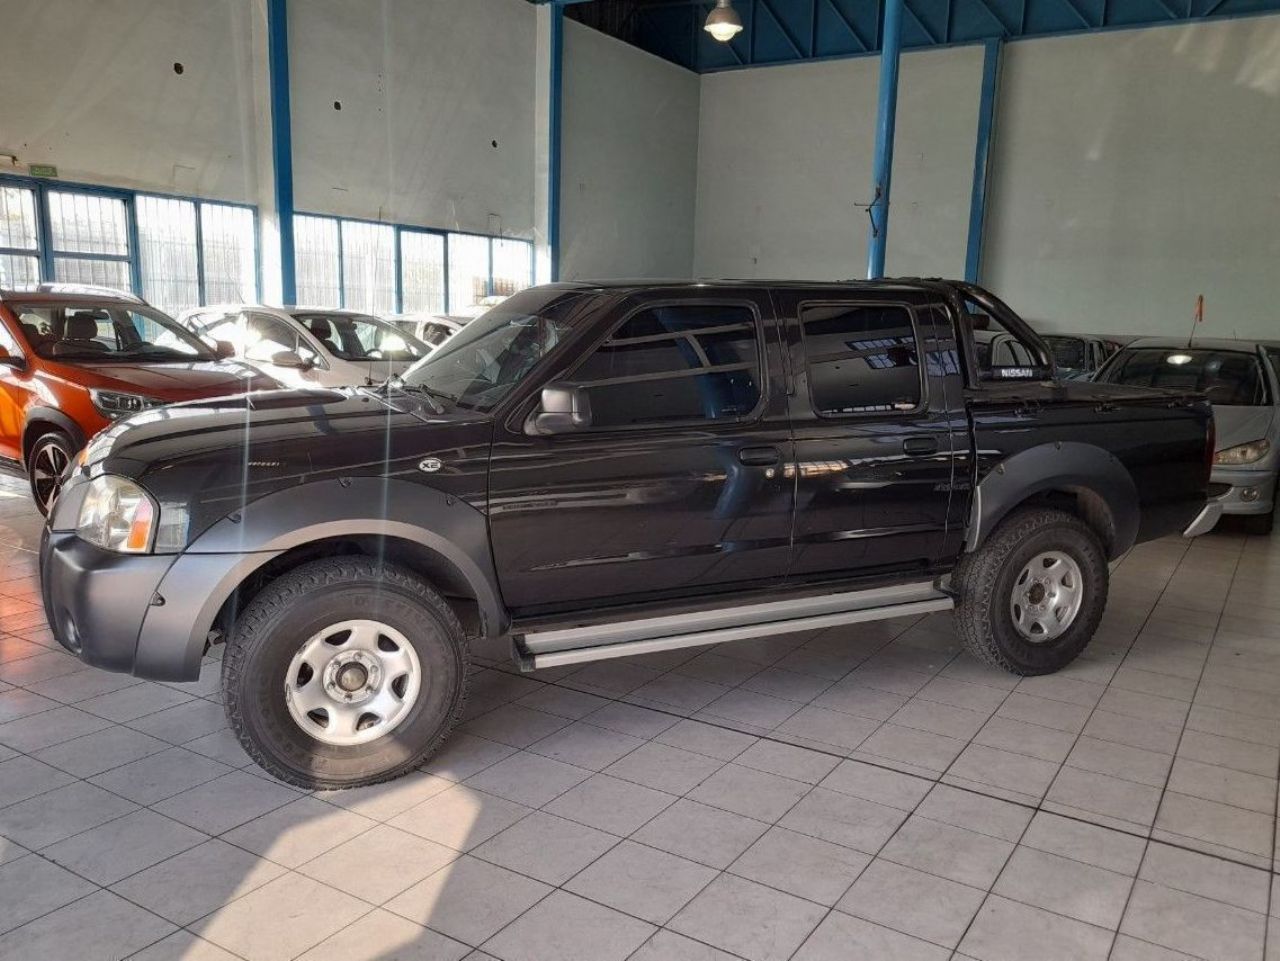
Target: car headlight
(1248,453)
(117,515)
(113,404)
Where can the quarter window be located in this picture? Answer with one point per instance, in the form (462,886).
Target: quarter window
(677,364)
(861,358)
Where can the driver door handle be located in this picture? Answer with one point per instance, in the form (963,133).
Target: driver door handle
(759,456)
(920,445)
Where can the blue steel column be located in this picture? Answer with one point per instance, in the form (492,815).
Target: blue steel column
(554,122)
(282,142)
(982,159)
(886,118)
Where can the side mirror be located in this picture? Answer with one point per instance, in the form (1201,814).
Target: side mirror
(224,349)
(565,409)
(290,359)
(11,360)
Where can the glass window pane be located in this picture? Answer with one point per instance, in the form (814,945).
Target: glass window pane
(861,359)
(512,266)
(167,246)
(18,218)
(422,272)
(316,253)
(369,267)
(17,270)
(468,271)
(230,250)
(88,223)
(675,364)
(104,273)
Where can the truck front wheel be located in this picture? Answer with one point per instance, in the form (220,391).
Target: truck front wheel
(1031,598)
(343,672)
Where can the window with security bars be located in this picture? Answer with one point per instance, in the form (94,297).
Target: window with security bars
(422,272)
(512,266)
(468,271)
(89,239)
(168,250)
(229,248)
(368,267)
(19,245)
(318,259)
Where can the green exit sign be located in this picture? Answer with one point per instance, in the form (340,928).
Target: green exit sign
(42,170)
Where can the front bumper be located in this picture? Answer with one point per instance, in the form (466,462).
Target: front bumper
(1239,481)
(1205,520)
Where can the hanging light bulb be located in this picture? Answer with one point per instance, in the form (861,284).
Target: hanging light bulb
(723,22)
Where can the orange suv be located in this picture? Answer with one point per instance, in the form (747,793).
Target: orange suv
(73,359)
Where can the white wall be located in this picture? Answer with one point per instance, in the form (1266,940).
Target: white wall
(426,89)
(1134,170)
(629,172)
(90,87)
(785,159)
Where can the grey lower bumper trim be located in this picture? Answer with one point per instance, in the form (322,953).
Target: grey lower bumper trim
(1205,520)
(536,655)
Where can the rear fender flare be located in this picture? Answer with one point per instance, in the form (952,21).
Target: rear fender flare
(1065,466)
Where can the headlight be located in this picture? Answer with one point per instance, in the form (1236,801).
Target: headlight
(1248,453)
(113,404)
(117,515)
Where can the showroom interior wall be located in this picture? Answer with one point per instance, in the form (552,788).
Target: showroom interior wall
(630,144)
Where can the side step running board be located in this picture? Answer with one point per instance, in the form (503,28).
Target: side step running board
(578,645)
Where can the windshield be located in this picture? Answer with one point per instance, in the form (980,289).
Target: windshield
(360,337)
(1231,378)
(479,365)
(1067,351)
(105,333)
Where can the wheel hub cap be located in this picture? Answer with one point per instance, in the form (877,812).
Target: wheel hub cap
(1047,596)
(353,682)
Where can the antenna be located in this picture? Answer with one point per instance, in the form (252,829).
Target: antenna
(1199,319)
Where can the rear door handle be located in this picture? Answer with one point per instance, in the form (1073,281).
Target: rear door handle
(759,456)
(920,445)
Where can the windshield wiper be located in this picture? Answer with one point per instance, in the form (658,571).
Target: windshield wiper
(430,394)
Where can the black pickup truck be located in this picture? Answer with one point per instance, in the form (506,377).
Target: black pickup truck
(597,470)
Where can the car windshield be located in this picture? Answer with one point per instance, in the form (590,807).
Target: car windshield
(360,337)
(1231,378)
(1068,352)
(479,365)
(104,333)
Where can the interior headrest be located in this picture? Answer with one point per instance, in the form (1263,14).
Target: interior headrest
(321,328)
(81,327)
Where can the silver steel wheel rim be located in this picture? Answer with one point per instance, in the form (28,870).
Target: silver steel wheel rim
(46,472)
(1047,596)
(353,682)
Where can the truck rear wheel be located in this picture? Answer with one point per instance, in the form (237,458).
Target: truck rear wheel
(1030,599)
(344,672)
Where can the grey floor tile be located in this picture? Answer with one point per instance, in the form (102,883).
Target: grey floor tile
(668,946)
(913,902)
(1209,877)
(31,886)
(1218,824)
(48,818)
(381,802)
(1185,922)
(562,702)
(545,847)
(1134,731)
(1021,737)
(35,731)
(842,819)
(746,791)
(1121,760)
(1132,949)
(23,777)
(963,694)
(1229,752)
(1059,715)
(629,719)
(1064,886)
(100,927)
(466,754)
(1228,723)
(460,818)
(1005,930)
(842,937)
(382,936)
(1214,783)
(920,749)
(514,725)
(997,768)
(298,831)
(94,753)
(19,703)
(748,919)
(586,746)
(379,864)
(226,802)
(112,851)
(250,926)
(898,790)
(565,927)
(1081,841)
(641,881)
(185,722)
(939,718)
(808,867)
(610,804)
(679,692)
(468,899)
(1109,797)
(823,726)
(183,946)
(713,740)
(700,833)
(975,812)
(850,696)
(528,779)
(797,763)
(198,881)
(133,702)
(665,768)
(162,775)
(948,851)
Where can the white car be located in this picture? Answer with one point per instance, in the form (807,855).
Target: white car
(432,329)
(309,347)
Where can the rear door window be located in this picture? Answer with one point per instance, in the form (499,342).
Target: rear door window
(861,358)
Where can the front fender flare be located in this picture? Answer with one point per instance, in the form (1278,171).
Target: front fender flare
(1066,466)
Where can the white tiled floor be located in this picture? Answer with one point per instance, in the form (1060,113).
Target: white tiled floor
(855,794)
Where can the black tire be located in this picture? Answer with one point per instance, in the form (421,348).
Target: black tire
(46,459)
(273,628)
(1259,525)
(985,579)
